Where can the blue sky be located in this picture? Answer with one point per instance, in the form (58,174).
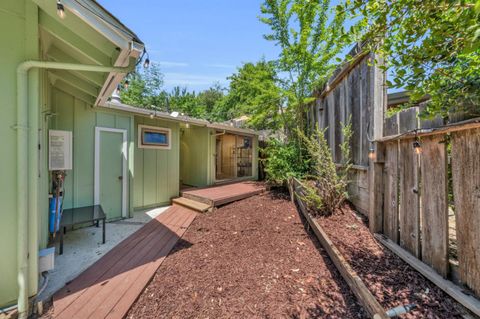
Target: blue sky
(196,42)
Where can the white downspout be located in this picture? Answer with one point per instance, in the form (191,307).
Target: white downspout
(23,197)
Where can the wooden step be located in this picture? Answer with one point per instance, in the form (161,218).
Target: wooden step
(192,204)
(197,198)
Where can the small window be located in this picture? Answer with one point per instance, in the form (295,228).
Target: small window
(153,137)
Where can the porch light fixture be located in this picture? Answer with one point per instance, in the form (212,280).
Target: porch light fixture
(417,147)
(371,153)
(146,64)
(126,84)
(60,9)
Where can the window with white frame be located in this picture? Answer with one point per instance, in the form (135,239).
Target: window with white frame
(154,137)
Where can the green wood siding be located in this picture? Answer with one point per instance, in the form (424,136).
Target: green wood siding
(195,156)
(156,178)
(29,33)
(12,15)
(74,115)
(19,33)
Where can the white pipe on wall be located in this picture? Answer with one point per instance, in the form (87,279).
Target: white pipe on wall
(23,197)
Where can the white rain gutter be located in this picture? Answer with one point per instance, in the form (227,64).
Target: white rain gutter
(183,119)
(232,129)
(156,114)
(24,162)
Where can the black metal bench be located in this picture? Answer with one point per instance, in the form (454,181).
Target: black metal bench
(81,215)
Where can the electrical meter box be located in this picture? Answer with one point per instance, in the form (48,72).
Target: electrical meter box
(59,150)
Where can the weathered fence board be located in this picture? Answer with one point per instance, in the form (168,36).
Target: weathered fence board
(391,125)
(331,124)
(325,117)
(351,94)
(434,195)
(390,218)
(337,120)
(409,212)
(365,120)
(435,122)
(407,120)
(409,199)
(356,118)
(466,191)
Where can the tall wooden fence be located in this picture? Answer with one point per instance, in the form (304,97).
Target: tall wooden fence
(416,192)
(354,93)
(407,195)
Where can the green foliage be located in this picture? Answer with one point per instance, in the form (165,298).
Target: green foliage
(253,91)
(145,90)
(145,87)
(326,188)
(346,150)
(432,47)
(309,42)
(283,161)
(209,99)
(189,103)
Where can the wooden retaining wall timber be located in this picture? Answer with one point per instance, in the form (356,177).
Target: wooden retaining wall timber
(450,288)
(364,296)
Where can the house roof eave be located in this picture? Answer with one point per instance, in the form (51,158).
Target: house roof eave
(181,119)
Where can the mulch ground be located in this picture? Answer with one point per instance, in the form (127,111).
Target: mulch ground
(390,279)
(250,259)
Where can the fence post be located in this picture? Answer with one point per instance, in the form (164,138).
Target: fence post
(376,162)
(375,188)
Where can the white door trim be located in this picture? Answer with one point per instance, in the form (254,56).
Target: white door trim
(96,186)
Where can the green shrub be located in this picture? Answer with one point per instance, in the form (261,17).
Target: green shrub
(326,186)
(283,160)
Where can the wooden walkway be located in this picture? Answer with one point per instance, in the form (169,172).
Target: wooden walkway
(224,194)
(110,286)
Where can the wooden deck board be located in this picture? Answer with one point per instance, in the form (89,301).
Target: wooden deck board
(73,290)
(123,305)
(123,274)
(224,194)
(111,285)
(192,204)
(139,274)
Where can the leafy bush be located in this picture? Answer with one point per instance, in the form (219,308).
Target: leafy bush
(326,187)
(283,160)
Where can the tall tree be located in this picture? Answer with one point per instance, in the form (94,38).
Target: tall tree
(431,46)
(310,35)
(209,99)
(182,100)
(144,87)
(254,92)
